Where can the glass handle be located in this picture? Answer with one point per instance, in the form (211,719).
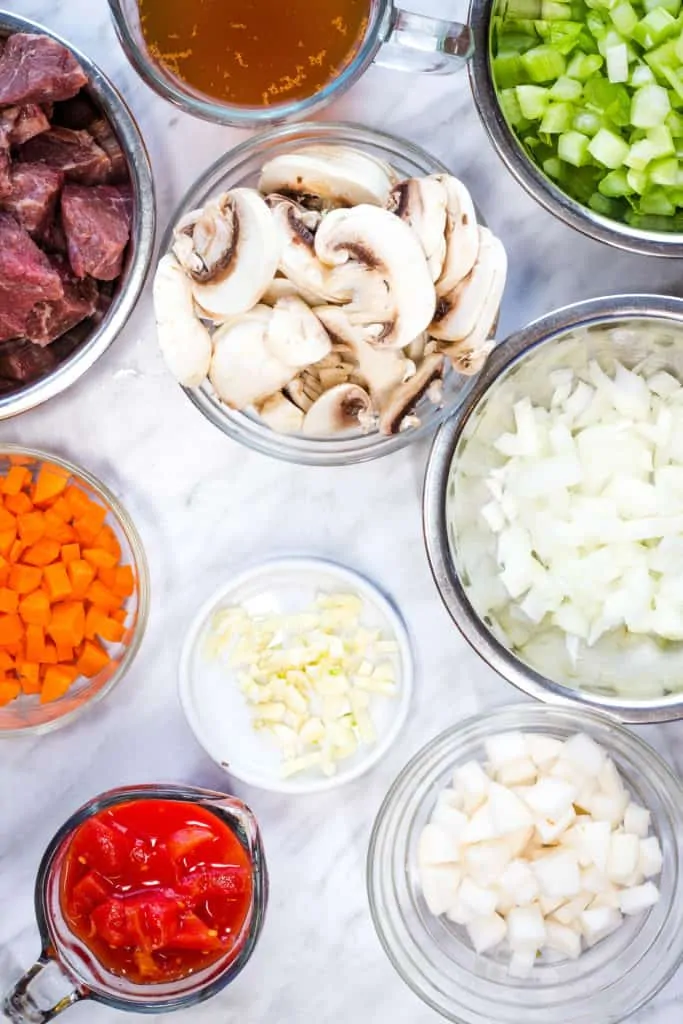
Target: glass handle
(415,42)
(43,992)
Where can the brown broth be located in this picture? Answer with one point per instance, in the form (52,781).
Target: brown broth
(254,52)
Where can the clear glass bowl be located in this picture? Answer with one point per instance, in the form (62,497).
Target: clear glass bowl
(241,166)
(434,957)
(26,714)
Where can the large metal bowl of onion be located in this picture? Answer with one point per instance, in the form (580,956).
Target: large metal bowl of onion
(636,677)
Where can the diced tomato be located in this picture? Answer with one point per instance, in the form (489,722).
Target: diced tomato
(194,934)
(186,840)
(102,847)
(146,920)
(161,918)
(230,883)
(89,893)
(111,924)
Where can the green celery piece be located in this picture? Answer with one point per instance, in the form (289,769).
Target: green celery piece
(607,207)
(596,25)
(557,119)
(583,65)
(520,10)
(533,101)
(678,46)
(672,6)
(650,106)
(572,147)
(566,89)
(608,149)
(587,121)
(543,64)
(664,171)
(638,180)
(615,184)
(663,56)
(657,202)
(553,11)
(582,182)
(650,223)
(564,36)
(617,63)
(608,98)
(553,168)
(508,70)
(624,17)
(654,28)
(675,81)
(641,75)
(586,43)
(509,104)
(674,123)
(662,140)
(640,154)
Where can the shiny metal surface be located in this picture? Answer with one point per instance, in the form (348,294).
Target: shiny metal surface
(609,310)
(531,177)
(140,247)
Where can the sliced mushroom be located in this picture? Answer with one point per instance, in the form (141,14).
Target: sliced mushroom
(305,389)
(380,271)
(184,340)
(469,355)
(230,251)
(406,397)
(297,258)
(381,370)
(280,287)
(415,351)
(324,177)
(459,312)
(345,407)
(258,353)
(462,237)
(278,413)
(421,203)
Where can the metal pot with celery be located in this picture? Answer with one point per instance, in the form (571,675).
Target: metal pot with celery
(584,103)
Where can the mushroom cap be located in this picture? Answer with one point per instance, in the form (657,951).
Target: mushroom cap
(406,397)
(280,287)
(340,408)
(296,244)
(234,281)
(332,175)
(379,269)
(421,203)
(296,337)
(381,369)
(184,341)
(462,237)
(278,413)
(458,313)
(243,371)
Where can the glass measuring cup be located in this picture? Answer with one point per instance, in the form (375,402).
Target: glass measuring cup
(394,38)
(67,972)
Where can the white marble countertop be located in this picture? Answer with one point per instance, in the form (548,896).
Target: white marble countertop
(206,506)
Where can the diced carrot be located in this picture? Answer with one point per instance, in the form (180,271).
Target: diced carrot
(8,691)
(102,597)
(57,529)
(17,550)
(20,503)
(7,539)
(65,654)
(110,629)
(35,609)
(9,600)
(100,558)
(51,482)
(8,521)
(67,624)
(71,553)
(49,654)
(29,676)
(35,642)
(92,659)
(25,578)
(125,581)
(108,577)
(57,581)
(11,629)
(81,575)
(88,526)
(119,615)
(4,570)
(17,478)
(58,679)
(42,553)
(78,500)
(6,662)
(108,540)
(31,526)
(62,508)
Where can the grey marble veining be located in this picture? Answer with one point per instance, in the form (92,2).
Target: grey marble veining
(206,506)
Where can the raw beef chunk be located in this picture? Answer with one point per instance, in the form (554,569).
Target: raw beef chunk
(26,277)
(33,197)
(37,69)
(97,224)
(30,120)
(22,362)
(74,152)
(102,133)
(77,113)
(50,320)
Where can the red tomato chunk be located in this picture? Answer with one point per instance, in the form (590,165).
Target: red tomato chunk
(157,889)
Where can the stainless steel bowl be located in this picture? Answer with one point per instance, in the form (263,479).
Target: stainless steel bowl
(140,247)
(641,329)
(531,177)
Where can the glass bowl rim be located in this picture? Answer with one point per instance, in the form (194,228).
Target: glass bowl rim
(134,540)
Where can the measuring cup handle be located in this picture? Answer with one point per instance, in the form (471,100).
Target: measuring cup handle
(35,998)
(415,42)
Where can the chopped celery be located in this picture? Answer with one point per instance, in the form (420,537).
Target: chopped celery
(587,121)
(641,75)
(617,63)
(533,100)
(567,89)
(650,106)
(572,147)
(638,180)
(664,171)
(672,6)
(557,119)
(615,184)
(675,81)
(654,28)
(522,10)
(640,154)
(583,65)
(552,11)
(553,167)
(511,108)
(674,123)
(608,149)
(657,202)
(543,64)
(661,140)
(624,17)
(601,204)
(508,70)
